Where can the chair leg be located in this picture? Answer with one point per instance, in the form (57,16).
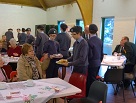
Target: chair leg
(54,100)
(65,100)
(132,88)
(123,91)
(115,92)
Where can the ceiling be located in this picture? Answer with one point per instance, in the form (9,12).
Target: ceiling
(45,4)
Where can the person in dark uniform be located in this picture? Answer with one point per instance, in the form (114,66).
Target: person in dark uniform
(18,33)
(52,47)
(41,38)
(65,41)
(95,56)
(22,37)
(79,59)
(9,35)
(29,38)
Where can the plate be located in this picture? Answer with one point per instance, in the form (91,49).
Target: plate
(58,62)
(58,55)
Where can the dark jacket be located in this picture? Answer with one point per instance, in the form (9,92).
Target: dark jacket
(9,35)
(95,55)
(30,39)
(22,38)
(65,41)
(130,52)
(39,43)
(118,49)
(80,54)
(51,47)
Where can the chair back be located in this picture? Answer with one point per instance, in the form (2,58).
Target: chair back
(98,92)
(8,70)
(78,80)
(13,74)
(113,76)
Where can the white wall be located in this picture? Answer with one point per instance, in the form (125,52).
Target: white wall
(69,13)
(13,16)
(124,13)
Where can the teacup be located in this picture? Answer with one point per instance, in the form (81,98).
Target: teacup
(5,56)
(30,82)
(3,85)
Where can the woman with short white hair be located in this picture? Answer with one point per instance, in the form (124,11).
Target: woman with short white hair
(14,50)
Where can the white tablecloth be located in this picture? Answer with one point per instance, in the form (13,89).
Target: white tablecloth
(42,91)
(10,60)
(110,60)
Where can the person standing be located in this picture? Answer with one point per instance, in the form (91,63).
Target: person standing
(30,38)
(41,38)
(79,59)
(95,56)
(86,34)
(9,34)
(22,37)
(18,33)
(65,41)
(52,47)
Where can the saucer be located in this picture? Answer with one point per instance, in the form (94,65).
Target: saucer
(3,88)
(30,85)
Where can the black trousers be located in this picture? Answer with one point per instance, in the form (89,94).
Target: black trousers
(92,73)
(52,70)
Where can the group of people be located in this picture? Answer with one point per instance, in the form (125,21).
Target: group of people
(86,58)
(45,47)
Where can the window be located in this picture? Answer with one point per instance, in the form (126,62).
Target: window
(107,34)
(79,22)
(59,23)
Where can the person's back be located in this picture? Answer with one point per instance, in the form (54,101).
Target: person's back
(40,40)
(22,38)
(64,40)
(95,44)
(95,56)
(130,52)
(9,35)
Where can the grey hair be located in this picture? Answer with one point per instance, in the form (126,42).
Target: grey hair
(12,40)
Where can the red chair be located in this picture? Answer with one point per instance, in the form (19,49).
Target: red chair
(8,70)
(42,59)
(13,74)
(78,80)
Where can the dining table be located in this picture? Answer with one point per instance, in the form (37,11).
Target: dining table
(42,91)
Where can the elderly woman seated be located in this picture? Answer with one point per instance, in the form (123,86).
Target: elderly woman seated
(28,66)
(14,50)
(3,76)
